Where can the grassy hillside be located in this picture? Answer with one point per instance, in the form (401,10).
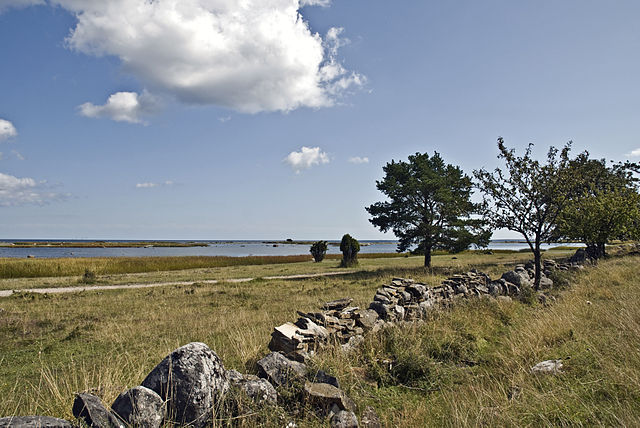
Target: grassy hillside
(467,366)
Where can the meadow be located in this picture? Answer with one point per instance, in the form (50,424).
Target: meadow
(466,366)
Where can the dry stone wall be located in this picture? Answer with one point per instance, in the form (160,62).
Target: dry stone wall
(191,384)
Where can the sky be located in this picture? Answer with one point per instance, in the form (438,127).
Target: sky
(272,119)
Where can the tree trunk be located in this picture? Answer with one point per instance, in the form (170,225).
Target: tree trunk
(427,257)
(537,261)
(603,251)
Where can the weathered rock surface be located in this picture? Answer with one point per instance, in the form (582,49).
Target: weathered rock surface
(548,366)
(520,278)
(34,422)
(322,377)
(279,370)
(337,305)
(344,419)
(325,396)
(192,378)
(90,409)
(140,407)
(260,391)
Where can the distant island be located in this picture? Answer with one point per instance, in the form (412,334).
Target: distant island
(102,244)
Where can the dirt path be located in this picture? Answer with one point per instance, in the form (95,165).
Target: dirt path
(76,289)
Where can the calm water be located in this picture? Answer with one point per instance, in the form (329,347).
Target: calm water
(234,249)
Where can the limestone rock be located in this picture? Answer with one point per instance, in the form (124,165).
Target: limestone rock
(193,379)
(90,409)
(140,407)
(34,422)
(279,370)
(323,377)
(337,305)
(344,419)
(519,277)
(260,391)
(548,366)
(325,396)
(367,319)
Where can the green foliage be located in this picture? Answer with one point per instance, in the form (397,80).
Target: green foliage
(349,247)
(429,206)
(527,196)
(603,206)
(318,251)
(89,277)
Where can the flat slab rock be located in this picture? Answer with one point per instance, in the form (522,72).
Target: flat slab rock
(325,396)
(337,305)
(194,379)
(34,422)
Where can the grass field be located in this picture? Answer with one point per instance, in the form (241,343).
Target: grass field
(459,369)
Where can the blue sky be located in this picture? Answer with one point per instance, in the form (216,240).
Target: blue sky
(187,119)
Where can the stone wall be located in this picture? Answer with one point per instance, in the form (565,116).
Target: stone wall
(191,384)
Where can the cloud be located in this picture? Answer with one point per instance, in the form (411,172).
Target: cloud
(148,185)
(306,158)
(122,107)
(18,4)
(224,119)
(16,191)
(323,3)
(359,160)
(250,55)
(7,130)
(633,153)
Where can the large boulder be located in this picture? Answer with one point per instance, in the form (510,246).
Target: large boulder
(279,370)
(90,409)
(518,277)
(34,422)
(192,380)
(140,407)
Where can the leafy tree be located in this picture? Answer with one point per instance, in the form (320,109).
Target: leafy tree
(318,251)
(527,196)
(603,205)
(429,205)
(349,247)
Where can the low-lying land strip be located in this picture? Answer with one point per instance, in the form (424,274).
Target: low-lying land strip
(466,366)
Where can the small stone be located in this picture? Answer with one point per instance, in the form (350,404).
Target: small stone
(90,409)
(234,376)
(279,370)
(260,391)
(548,366)
(337,305)
(344,419)
(352,343)
(140,407)
(34,422)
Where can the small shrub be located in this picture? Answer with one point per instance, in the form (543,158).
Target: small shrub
(318,251)
(349,247)
(89,277)
(528,295)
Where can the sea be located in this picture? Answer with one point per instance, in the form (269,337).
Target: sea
(240,248)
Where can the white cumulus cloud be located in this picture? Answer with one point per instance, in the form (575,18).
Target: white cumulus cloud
(122,107)
(359,160)
(7,130)
(16,191)
(250,55)
(8,4)
(323,3)
(633,153)
(306,158)
(148,184)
